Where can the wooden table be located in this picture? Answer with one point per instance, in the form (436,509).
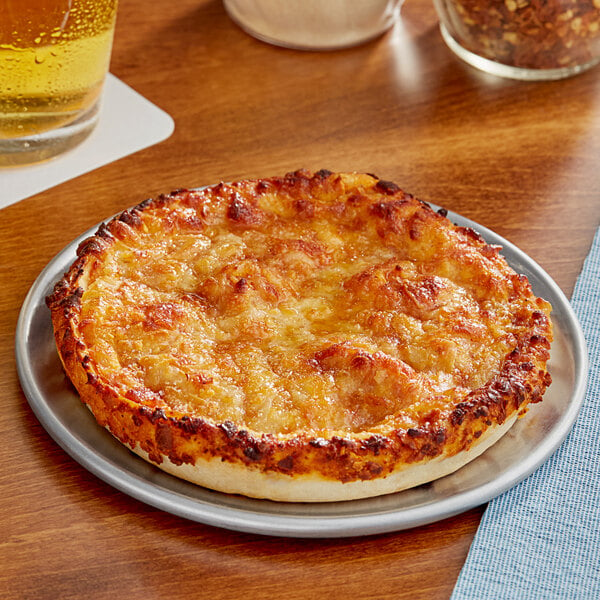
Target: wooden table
(520,158)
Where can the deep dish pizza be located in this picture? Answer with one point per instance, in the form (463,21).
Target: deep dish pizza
(312,337)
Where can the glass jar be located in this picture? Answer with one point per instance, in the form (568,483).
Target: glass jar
(314,24)
(523,39)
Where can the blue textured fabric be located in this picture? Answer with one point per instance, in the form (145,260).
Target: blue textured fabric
(541,540)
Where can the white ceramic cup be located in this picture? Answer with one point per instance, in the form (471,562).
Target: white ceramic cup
(314,24)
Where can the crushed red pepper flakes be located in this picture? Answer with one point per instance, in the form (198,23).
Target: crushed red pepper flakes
(533,34)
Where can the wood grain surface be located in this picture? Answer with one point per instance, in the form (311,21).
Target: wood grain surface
(519,158)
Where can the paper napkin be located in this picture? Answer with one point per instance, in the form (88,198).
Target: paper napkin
(128,122)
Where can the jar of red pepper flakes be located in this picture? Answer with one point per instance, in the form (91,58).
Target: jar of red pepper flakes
(523,39)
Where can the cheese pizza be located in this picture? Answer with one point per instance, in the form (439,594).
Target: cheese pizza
(313,337)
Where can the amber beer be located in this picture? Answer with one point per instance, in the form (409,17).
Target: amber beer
(54,56)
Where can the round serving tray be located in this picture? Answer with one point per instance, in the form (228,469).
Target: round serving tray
(531,441)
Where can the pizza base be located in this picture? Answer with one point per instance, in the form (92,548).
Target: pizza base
(232,478)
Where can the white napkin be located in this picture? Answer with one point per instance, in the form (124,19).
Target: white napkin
(128,123)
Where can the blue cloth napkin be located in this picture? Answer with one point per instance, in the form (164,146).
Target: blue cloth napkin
(541,539)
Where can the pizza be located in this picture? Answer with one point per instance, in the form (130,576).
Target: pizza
(313,337)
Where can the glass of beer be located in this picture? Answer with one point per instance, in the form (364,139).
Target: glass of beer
(54,56)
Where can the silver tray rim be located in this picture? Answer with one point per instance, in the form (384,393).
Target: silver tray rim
(131,475)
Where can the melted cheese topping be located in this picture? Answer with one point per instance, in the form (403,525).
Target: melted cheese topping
(333,307)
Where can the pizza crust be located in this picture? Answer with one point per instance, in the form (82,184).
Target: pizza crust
(235,478)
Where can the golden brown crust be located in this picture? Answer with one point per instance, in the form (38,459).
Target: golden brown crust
(324,326)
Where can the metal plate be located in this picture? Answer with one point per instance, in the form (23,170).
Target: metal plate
(522,450)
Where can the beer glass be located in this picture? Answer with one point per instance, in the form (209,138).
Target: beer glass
(54,56)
